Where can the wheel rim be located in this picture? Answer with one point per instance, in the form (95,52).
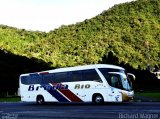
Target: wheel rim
(98,99)
(40,100)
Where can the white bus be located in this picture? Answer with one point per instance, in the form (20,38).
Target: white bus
(90,83)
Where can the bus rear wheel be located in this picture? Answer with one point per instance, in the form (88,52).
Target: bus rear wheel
(98,99)
(40,100)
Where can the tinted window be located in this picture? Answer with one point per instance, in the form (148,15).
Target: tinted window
(25,79)
(48,78)
(82,75)
(106,75)
(36,79)
(31,79)
(115,81)
(90,75)
(76,76)
(61,77)
(111,70)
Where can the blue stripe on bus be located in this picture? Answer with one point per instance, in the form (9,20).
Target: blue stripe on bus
(58,96)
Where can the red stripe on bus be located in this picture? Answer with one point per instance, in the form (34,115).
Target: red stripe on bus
(70,95)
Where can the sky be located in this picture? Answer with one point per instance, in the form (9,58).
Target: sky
(46,15)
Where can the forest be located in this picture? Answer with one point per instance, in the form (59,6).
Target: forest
(127,34)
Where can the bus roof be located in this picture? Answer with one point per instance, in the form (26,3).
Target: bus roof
(93,66)
(86,67)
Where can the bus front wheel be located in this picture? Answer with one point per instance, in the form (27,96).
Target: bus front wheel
(40,100)
(98,99)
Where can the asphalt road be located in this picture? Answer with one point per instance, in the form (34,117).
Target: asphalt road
(132,110)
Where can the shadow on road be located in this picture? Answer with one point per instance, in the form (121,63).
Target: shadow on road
(80,104)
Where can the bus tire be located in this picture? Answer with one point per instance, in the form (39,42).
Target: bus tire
(97,99)
(40,100)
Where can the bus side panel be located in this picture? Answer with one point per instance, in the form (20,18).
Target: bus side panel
(86,89)
(29,93)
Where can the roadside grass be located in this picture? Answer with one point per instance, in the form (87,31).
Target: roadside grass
(10,99)
(150,95)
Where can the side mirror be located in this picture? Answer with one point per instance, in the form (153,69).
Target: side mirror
(132,76)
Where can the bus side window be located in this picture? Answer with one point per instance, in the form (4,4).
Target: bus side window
(61,77)
(48,78)
(115,81)
(104,71)
(37,79)
(76,76)
(90,75)
(31,79)
(25,79)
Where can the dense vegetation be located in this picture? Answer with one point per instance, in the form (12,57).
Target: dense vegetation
(130,32)
(11,66)
(127,35)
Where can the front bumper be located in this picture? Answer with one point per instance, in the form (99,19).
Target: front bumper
(127,96)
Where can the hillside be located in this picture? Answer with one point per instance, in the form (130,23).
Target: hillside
(129,32)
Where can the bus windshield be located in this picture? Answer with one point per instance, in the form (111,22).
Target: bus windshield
(117,79)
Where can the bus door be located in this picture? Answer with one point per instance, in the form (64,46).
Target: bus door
(116,85)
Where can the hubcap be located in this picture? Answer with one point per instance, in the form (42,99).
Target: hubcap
(40,101)
(98,99)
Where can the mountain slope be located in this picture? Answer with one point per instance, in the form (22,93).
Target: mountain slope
(130,32)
